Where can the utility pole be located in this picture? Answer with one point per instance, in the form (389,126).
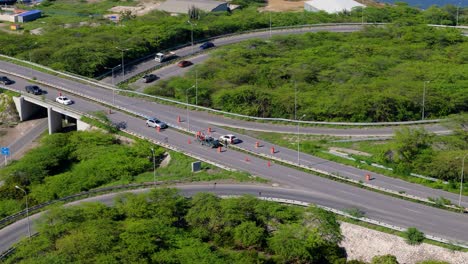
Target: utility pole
(188,116)
(424,99)
(191,35)
(270,23)
(299,140)
(123,65)
(154,167)
(27,209)
(461,180)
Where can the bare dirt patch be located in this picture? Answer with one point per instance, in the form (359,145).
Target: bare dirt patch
(363,244)
(283,5)
(142,8)
(350,151)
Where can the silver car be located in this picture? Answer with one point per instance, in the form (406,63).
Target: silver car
(154,122)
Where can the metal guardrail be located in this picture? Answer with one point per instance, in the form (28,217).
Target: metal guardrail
(337,176)
(106,86)
(363,219)
(15,217)
(271,199)
(164,144)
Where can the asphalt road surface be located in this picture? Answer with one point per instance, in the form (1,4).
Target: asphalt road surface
(324,192)
(328,193)
(397,212)
(200,121)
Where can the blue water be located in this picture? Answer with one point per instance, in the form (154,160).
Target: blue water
(427,3)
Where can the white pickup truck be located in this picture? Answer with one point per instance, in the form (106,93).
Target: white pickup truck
(161,57)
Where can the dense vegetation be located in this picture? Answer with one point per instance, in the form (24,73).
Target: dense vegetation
(65,164)
(375,75)
(88,48)
(164,227)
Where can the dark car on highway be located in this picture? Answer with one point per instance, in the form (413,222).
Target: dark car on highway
(184,63)
(207,45)
(34,89)
(149,78)
(4,80)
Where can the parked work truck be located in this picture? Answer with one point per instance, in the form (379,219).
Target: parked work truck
(162,57)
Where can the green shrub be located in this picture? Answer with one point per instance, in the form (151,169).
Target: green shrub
(413,236)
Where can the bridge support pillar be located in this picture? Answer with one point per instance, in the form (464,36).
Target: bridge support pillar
(55,120)
(25,109)
(80,125)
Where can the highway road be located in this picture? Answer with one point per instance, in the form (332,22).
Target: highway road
(200,121)
(396,212)
(325,192)
(133,69)
(334,194)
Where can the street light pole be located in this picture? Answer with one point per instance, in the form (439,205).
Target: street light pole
(458,9)
(186,97)
(113,84)
(298,139)
(196,87)
(362,16)
(424,99)
(461,180)
(123,65)
(191,35)
(270,24)
(154,167)
(30,60)
(27,208)
(113,90)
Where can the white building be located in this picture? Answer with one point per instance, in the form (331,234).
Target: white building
(182,6)
(331,6)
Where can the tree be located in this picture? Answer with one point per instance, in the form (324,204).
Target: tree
(248,235)
(294,243)
(324,223)
(204,215)
(432,262)
(413,236)
(142,238)
(386,259)
(194,12)
(410,143)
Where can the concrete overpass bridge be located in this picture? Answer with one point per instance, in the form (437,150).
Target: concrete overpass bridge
(59,117)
